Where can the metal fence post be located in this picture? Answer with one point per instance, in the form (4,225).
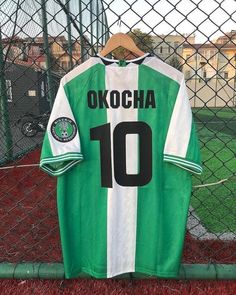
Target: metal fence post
(70,49)
(50,87)
(4,112)
(82,41)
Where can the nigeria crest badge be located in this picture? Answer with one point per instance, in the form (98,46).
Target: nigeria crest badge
(63,129)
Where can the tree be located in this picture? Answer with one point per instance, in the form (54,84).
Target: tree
(175,62)
(143,41)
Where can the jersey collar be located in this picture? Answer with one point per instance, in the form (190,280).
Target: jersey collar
(138,60)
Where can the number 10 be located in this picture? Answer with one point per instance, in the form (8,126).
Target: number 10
(102,133)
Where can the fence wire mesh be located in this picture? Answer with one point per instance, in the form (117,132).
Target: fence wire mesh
(40,41)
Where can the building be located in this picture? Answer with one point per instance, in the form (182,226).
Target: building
(26,89)
(166,46)
(210,71)
(61,60)
(210,60)
(13,47)
(201,60)
(228,37)
(32,51)
(227,55)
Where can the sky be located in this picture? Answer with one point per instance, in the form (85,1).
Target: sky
(202,17)
(164,17)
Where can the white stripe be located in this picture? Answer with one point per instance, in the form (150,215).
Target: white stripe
(131,152)
(122,201)
(179,131)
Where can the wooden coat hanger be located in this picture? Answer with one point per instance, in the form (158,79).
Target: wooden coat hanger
(121,40)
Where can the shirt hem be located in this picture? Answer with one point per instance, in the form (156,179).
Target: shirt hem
(139,270)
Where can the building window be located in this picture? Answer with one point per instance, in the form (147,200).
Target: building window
(31,92)
(169,47)
(9,90)
(226,75)
(161,49)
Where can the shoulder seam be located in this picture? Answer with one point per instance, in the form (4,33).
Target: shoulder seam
(165,69)
(92,61)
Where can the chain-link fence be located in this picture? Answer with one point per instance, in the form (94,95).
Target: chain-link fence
(40,41)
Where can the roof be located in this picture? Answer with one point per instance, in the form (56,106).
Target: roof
(32,66)
(11,39)
(220,46)
(25,64)
(227,36)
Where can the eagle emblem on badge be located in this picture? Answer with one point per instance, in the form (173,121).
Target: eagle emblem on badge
(63,129)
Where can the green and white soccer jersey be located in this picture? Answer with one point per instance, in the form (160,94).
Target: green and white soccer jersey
(124,207)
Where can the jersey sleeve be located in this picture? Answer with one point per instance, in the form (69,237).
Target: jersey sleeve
(181,145)
(61,146)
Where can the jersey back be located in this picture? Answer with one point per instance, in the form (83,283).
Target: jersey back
(122,142)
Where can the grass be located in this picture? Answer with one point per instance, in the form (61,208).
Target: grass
(216,205)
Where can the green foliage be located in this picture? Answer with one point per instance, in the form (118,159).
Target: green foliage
(175,62)
(143,41)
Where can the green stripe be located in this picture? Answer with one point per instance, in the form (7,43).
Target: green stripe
(163,202)
(193,151)
(154,250)
(82,202)
(46,149)
(195,167)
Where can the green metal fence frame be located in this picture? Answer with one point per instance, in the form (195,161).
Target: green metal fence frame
(36,270)
(56,271)
(4,115)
